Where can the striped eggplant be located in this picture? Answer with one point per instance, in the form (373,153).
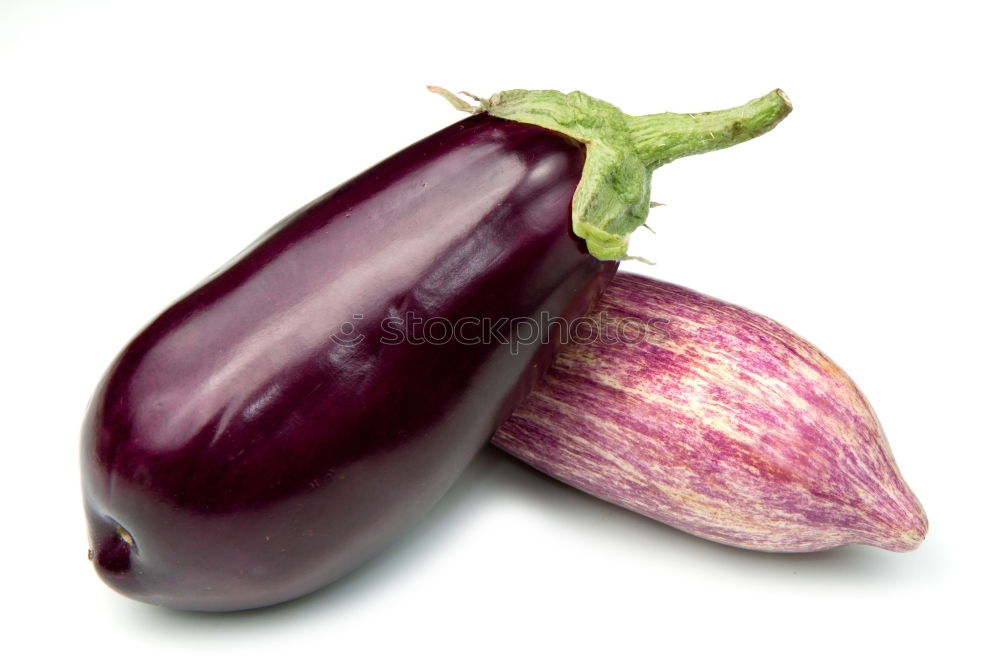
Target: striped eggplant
(290,416)
(717,421)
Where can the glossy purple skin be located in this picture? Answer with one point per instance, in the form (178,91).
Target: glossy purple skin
(235,455)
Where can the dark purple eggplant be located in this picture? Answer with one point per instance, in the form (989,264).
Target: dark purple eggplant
(273,429)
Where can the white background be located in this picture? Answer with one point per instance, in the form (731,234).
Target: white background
(142,144)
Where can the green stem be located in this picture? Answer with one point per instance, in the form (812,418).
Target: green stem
(612,199)
(663,137)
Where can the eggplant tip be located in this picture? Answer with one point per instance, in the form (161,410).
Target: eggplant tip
(112,552)
(906,537)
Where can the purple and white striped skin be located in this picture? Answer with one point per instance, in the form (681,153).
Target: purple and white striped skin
(719,422)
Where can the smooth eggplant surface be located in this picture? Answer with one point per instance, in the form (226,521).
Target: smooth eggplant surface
(268,432)
(718,421)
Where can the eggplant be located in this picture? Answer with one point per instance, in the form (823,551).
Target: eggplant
(286,419)
(717,421)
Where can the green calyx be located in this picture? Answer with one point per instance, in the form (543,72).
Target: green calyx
(612,199)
